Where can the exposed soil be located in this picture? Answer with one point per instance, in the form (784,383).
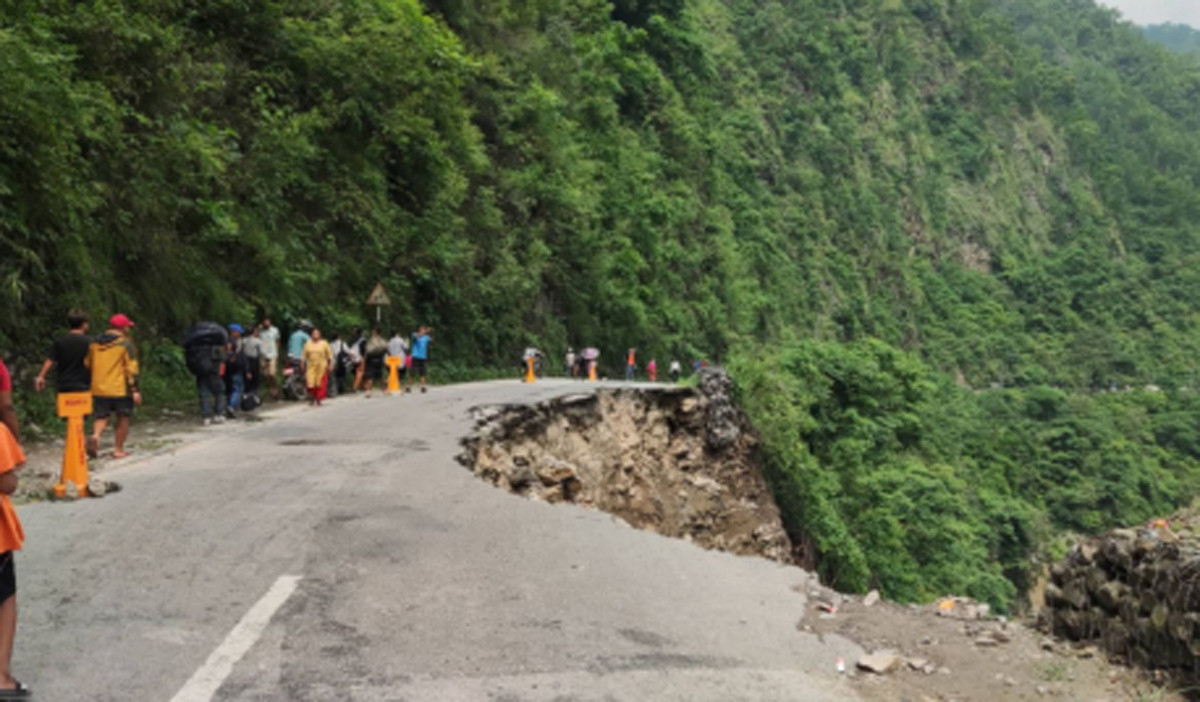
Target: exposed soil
(675,461)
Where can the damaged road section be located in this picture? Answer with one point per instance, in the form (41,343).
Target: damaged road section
(680,462)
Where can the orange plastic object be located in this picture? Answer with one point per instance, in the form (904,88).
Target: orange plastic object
(394,373)
(591,371)
(73,407)
(530,376)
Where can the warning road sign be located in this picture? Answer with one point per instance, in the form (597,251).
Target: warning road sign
(378,297)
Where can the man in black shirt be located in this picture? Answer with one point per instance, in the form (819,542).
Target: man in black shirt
(69,353)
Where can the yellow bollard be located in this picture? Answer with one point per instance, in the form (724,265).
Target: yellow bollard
(74,406)
(530,376)
(591,371)
(394,373)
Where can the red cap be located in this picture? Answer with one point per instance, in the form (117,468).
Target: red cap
(120,321)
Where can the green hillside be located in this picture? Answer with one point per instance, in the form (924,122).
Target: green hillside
(970,193)
(1179,38)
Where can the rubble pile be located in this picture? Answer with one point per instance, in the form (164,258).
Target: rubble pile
(1135,593)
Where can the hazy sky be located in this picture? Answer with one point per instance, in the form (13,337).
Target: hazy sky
(1157,11)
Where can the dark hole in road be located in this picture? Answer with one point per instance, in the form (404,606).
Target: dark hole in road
(303,442)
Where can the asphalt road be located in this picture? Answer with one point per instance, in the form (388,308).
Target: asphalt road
(343,554)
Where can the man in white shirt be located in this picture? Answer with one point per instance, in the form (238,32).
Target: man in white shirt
(268,336)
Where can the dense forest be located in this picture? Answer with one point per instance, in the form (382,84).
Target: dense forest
(925,233)
(1179,38)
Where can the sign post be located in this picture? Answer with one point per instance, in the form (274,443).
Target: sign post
(74,406)
(378,299)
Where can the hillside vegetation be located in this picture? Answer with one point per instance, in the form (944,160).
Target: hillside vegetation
(1179,38)
(926,195)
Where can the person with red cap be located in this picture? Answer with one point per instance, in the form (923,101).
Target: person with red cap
(112,359)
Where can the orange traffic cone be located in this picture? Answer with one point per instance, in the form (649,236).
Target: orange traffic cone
(530,376)
(591,371)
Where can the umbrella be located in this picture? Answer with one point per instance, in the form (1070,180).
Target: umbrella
(591,353)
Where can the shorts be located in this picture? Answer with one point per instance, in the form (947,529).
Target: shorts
(374,370)
(8,576)
(103,407)
(418,367)
(270,366)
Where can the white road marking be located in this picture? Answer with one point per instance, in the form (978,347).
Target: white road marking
(205,682)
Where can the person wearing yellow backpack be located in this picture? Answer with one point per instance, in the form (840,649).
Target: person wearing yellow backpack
(11,536)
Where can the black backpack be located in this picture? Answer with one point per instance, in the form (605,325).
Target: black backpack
(204,360)
(344,362)
(204,348)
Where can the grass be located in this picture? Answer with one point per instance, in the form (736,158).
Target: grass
(1055,671)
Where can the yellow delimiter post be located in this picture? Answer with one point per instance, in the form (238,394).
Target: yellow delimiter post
(530,376)
(74,406)
(394,373)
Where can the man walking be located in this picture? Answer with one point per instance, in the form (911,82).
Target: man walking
(269,336)
(631,364)
(420,356)
(69,354)
(236,369)
(204,351)
(112,359)
(252,347)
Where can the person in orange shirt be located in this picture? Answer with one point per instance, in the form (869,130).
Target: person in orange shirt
(11,536)
(631,364)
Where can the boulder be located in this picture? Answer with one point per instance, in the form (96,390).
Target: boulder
(880,663)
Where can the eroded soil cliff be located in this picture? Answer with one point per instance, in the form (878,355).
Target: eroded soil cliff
(676,461)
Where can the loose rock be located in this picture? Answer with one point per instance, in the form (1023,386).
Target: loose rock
(879,663)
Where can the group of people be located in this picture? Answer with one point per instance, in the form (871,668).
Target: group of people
(231,364)
(582,365)
(337,366)
(106,366)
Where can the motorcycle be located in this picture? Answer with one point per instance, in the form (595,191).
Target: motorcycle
(294,388)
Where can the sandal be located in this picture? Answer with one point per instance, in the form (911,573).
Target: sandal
(20,692)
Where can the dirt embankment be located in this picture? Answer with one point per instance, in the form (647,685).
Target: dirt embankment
(676,461)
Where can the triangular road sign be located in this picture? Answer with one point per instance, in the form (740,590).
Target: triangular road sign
(378,296)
